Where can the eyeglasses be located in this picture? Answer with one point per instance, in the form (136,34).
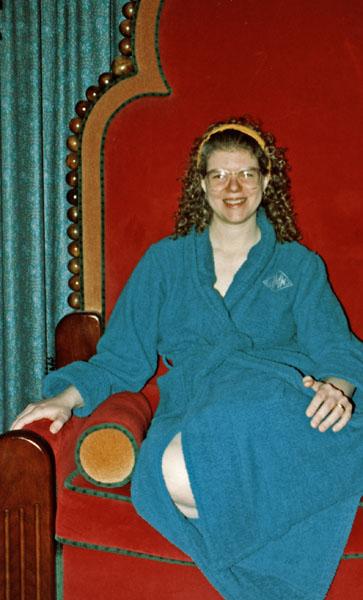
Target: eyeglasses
(218,179)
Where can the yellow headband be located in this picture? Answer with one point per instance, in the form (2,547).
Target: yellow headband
(243,128)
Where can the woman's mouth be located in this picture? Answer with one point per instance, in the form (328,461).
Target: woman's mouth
(234,202)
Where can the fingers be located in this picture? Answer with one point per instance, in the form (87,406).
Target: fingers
(43,410)
(329,408)
(309,381)
(23,418)
(58,424)
(345,417)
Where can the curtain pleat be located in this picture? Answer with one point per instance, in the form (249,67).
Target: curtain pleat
(50,53)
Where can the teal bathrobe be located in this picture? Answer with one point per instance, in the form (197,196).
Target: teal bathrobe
(276,498)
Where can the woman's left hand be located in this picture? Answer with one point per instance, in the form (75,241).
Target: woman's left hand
(330,407)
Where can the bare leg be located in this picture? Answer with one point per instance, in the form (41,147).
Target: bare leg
(177,479)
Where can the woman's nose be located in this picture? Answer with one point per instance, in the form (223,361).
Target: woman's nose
(234,182)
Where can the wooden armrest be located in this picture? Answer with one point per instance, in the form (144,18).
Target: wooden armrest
(76,337)
(27,505)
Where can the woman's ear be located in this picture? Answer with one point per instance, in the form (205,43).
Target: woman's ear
(204,188)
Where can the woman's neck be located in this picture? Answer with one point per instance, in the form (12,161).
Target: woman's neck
(234,238)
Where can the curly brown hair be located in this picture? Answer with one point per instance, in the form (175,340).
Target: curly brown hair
(194,209)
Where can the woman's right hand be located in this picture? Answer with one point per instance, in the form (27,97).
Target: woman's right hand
(57,409)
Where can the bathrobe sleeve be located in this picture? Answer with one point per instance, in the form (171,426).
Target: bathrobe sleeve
(323,331)
(127,352)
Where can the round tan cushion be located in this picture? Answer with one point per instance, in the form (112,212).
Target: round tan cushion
(108,444)
(107,455)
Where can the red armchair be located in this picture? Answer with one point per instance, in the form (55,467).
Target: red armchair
(185,70)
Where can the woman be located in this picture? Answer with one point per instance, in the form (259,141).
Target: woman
(253,456)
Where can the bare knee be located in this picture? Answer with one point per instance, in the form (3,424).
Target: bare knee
(177,479)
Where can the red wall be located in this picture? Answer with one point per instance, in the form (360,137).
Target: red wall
(298,67)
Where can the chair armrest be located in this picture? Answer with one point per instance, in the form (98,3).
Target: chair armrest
(108,444)
(27,505)
(76,337)
(104,445)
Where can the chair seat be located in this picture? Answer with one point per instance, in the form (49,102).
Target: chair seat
(105,519)
(102,517)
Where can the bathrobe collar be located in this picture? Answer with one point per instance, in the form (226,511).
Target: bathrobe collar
(258,258)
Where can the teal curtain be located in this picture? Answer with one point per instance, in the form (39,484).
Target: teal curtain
(51,51)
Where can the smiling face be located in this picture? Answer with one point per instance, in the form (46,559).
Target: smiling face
(237,201)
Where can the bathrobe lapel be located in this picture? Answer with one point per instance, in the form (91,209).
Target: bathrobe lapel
(204,273)
(223,337)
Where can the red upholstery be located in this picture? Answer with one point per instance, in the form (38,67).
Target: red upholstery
(130,578)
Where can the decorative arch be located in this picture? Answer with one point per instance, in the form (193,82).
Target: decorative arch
(135,74)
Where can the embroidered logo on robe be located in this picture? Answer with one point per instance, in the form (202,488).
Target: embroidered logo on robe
(277,282)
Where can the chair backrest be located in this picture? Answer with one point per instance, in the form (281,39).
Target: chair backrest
(296,66)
